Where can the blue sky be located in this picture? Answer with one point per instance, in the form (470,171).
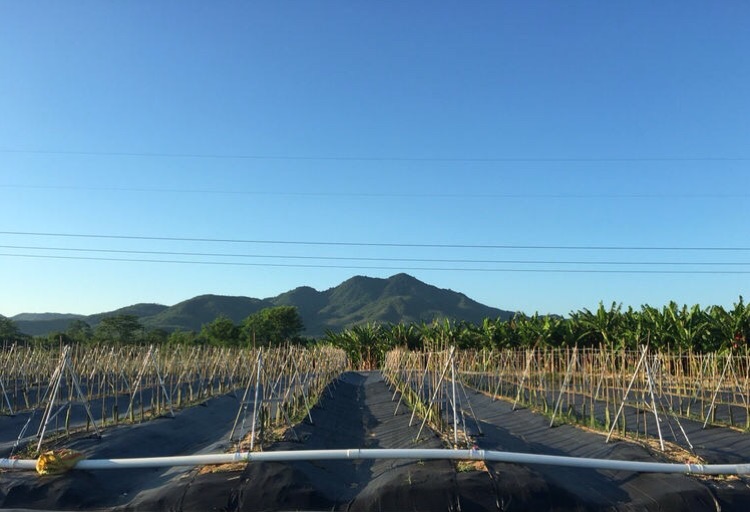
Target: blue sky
(541,127)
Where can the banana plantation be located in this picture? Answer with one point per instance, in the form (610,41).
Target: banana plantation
(705,330)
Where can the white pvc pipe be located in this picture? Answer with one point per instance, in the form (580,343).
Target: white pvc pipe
(416,454)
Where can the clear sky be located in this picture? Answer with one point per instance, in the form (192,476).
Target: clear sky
(536,156)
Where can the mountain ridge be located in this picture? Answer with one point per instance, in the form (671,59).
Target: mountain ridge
(359,299)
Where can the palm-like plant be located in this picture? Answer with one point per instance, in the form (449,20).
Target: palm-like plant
(370,342)
(729,328)
(691,327)
(490,333)
(604,326)
(404,335)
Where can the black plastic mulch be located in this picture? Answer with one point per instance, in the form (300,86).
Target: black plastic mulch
(359,413)
(522,430)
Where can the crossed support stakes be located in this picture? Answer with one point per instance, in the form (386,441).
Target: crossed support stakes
(651,386)
(274,396)
(150,361)
(65,366)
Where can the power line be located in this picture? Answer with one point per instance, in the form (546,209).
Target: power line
(378,267)
(371,158)
(382,195)
(380,244)
(379,259)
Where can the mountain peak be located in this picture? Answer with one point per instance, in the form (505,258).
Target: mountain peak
(360,299)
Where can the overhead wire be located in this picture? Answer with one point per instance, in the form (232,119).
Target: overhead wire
(379,244)
(379,267)
(377,259)
(371,158)
(386,195)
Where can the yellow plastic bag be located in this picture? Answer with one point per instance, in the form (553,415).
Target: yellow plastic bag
(56,462)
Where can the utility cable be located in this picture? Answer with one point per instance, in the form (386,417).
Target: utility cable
(378,267)
(376,259)
(369,158)
(382,244)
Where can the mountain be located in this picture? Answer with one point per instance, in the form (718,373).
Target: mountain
(39,324)
(141,310)
(43,317)
(191,314)
(399,298)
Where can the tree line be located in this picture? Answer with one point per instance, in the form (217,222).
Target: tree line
(267,327)
(700,329)
(711,329)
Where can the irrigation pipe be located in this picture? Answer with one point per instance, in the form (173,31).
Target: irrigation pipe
(414,454)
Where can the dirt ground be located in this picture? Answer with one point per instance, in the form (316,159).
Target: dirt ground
(359,413)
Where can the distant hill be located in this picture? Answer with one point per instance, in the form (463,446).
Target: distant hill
(399,298)
(43,317)
(142,310)
(191,314)
(38,324)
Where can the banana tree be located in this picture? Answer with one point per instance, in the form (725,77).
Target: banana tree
(405,335)
(691,326)
(729,328)
(372,343)
(603,327)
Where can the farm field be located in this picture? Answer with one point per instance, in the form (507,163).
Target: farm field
(48,393)
(373,409)
(688,400)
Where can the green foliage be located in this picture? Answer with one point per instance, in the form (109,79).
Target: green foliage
(80,331)
(729,329)
(702,330)
(8,330)
(156,337)
(602,327)
(273,326)
(404,335)
(182,338)
(365,345)
(120,330)
(401,299)
(221,331)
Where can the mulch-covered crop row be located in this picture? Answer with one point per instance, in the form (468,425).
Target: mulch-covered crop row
(359,413)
